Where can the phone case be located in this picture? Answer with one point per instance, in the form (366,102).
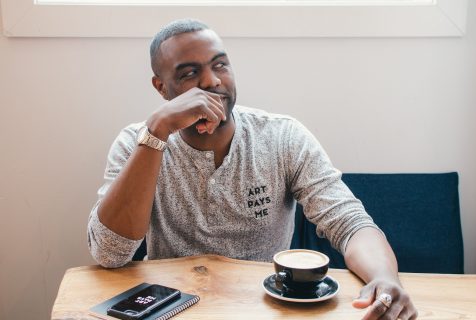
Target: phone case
(142,303)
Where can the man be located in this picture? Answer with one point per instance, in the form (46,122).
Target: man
(202,175)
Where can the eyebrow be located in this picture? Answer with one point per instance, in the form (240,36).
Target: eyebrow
(196,64)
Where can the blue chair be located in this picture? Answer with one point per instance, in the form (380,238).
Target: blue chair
(419,214)
(141,252)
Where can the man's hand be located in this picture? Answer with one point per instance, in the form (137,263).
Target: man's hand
(370,257)
(185,110)
(400,307)
(127,204)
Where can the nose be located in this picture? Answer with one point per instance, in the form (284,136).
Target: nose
(209,79)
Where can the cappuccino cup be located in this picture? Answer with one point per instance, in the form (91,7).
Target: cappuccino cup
(299,270)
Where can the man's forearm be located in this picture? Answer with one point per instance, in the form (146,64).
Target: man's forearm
(369,256)
(126,207)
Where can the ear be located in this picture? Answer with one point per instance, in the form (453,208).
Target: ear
(159,86)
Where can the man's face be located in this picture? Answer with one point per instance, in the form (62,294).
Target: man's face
(196,59)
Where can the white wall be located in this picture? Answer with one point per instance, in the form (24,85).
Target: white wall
(377,105)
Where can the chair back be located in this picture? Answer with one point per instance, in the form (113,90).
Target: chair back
(419,214)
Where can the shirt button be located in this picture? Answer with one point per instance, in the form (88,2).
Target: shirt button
(212,181)
(208,155)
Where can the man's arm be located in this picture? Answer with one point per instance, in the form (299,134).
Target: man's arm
(125,209)
(126,206)
(369,256)
(339,216)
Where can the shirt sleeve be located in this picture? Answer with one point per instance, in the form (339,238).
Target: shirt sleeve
(317,186)
(108,248)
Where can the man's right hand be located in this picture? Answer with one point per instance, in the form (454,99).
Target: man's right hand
(126,207)
(185,110)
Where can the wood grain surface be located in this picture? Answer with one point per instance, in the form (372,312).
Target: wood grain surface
(232,289)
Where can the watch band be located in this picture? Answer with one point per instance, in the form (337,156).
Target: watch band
(146,138)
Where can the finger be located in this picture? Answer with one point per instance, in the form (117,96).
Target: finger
(393,312)
(218,109)
(208,100)
(209,109)
(201,128)
(213,95)
(408,314)
(205,113)
(414,316)
(217,99)
(206,126)
(366,296)
(376,310)
(216,104)
(210,126)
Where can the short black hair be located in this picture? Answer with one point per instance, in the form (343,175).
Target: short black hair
(172,29)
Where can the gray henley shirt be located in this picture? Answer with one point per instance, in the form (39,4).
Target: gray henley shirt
(245,208)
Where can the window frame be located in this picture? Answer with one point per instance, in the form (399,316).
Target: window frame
(440,18)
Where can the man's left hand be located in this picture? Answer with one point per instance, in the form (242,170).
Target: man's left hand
(386,300)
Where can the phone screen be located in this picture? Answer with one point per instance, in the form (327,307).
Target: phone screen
(143,302)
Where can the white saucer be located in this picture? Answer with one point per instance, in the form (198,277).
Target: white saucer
(327,289)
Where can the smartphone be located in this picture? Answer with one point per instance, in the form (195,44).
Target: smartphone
(140,304)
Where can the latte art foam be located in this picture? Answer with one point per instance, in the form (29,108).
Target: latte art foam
(301,260)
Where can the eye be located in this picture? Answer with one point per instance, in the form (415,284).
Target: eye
(188,74)
(219,65)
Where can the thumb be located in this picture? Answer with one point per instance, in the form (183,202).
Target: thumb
(366,297)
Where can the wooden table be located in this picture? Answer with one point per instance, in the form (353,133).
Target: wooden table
(232,289)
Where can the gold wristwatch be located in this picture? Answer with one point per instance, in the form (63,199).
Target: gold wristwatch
(146,138)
